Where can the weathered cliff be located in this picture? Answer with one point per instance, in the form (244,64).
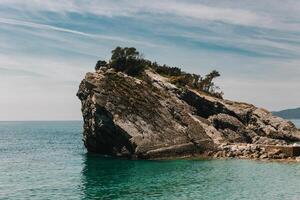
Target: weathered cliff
(151,118)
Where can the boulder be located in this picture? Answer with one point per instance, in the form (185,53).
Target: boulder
(150,118)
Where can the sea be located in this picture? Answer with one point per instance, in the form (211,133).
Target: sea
(47,160)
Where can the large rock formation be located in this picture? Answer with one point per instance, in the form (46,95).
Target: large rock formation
(151,118)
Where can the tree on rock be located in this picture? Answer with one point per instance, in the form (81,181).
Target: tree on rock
(100,63)
(208,84)
(127,60)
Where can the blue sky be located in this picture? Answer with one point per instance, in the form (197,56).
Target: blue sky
(46,47)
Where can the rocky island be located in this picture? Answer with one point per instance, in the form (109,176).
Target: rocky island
(137,109)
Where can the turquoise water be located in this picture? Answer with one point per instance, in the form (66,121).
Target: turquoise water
(47,160)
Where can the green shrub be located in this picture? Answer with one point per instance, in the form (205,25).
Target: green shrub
(100,63)
(127,60)
(130,61)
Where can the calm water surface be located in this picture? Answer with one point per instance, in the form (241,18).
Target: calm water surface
(47,160)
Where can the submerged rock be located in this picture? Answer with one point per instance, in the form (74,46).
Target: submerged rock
(151,118)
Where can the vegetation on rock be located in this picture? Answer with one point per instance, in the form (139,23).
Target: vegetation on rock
(131,62)
(100,63)
(150,118)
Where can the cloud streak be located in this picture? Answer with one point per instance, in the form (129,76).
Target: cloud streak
(65,30)
(19,72)
(46,47)
(187,10)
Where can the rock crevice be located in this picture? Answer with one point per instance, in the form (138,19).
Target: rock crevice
(151,118)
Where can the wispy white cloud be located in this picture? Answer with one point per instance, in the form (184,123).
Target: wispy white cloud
(42,67)
(228,13)
(65,30)
(18,72)
(46,47)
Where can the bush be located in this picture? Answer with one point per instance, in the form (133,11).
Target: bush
(100,63)
(130,61)
(127,60)
(166,70)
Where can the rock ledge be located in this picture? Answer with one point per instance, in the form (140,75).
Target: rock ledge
(153,119)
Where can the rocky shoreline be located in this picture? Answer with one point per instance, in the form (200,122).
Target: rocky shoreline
(270,153)
(257,152)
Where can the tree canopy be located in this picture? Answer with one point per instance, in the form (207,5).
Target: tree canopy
(100,63)
(127,59)
(130,61)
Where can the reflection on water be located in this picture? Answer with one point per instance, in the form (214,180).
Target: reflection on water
(112,178)
(107,178)
(101,176)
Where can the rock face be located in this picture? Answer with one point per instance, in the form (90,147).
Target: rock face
(152,118)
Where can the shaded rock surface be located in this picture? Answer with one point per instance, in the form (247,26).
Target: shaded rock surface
(151,118)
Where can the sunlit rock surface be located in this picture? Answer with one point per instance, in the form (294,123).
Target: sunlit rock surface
(150,118)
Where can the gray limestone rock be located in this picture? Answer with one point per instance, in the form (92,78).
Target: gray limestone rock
(151,118)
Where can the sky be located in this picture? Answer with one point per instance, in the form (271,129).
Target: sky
(47,46)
